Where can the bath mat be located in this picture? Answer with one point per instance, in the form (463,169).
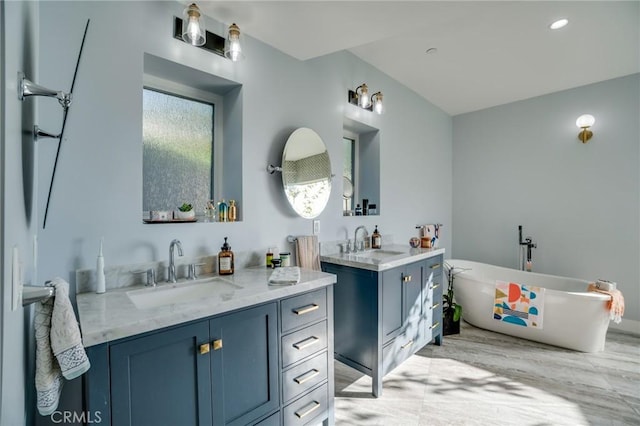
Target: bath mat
(519,304)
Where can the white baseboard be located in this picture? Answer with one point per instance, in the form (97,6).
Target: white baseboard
(626,326)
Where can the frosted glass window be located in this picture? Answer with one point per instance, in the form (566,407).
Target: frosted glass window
(178,162)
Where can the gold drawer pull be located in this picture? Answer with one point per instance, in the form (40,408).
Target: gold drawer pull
(306,309)
(306,343)
(308,409)
(217,344)
(204,348)
(434,325)
(406,278)
(435,266)
(406,345)
(435,305)
(306,376)
(434,286)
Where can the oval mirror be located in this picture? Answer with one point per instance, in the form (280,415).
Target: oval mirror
(306,172)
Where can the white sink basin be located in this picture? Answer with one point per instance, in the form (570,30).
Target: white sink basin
(181,292)
(377,254)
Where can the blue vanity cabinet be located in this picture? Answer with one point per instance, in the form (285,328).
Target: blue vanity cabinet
(269,365)
(384,317)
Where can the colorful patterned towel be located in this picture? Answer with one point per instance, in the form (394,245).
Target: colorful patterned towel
(519,304)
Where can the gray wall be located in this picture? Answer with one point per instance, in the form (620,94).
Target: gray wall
(98,186)
(522,164)
(19,53)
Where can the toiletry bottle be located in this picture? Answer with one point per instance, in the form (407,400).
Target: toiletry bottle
(358,210)
(285,258)
(365,206)
(376,239)
(100,279)
(225,259)
(233,211)
(269,257)
(223,211)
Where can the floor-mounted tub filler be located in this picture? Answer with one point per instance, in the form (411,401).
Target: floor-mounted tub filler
(549,309)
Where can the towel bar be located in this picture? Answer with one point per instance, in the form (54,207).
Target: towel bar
(291,238)
(32,294)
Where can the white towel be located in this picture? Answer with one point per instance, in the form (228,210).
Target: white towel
(48,375)
(57,334)
(307,252)
(285,275)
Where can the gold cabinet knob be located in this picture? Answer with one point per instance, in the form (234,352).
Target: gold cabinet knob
(217,344)
(204,348)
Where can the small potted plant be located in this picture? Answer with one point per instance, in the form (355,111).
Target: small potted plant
(451,311)
(185,212)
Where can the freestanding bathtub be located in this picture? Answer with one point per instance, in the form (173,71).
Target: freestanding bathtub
(573,318)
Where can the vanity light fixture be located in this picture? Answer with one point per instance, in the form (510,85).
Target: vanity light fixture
(190,29)
(585,121)
(361,98)
(194,32)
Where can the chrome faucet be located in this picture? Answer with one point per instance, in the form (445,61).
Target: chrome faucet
(172,266)
(355,238)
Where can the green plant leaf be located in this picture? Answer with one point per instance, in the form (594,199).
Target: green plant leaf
(457,313)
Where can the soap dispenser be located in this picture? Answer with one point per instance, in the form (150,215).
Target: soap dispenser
(225,259)
(376,239)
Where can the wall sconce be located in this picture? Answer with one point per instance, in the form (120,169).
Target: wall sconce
(195,34)
(584,122)
(361,98)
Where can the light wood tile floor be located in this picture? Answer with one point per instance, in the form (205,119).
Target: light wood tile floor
(483,378)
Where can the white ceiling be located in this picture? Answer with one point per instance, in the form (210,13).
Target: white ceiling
(488,53)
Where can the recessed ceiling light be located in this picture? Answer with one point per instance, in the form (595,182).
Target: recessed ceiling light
(431,50)
(559,24)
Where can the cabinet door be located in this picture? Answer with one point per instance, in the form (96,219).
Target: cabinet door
(158,379)
(392,303)
(244,365)
(413,304)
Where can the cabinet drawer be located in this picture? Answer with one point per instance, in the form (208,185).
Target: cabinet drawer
(399,349)
(304,376)
(308,408)
(303,309)
(303,343)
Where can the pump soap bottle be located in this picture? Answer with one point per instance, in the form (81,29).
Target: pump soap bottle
(100,279)
(376,239)
(225,259)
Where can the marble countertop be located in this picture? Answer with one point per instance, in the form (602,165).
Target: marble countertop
(384,258)
(113,315)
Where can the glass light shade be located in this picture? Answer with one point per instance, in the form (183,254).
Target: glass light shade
(378,106)
(585,120)
(233,44)
(193,31)
(363,96)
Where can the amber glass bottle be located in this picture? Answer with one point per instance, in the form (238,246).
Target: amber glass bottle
(225,259)
(376,239)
